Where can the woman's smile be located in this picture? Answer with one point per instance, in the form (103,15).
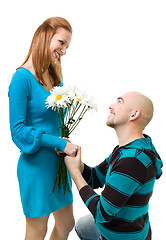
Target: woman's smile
(57,55)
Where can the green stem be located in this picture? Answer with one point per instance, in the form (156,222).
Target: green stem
(67,126)
(78,120)
(73,112)
(67,115)
(61,177)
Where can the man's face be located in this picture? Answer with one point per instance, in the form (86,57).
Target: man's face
(120,111)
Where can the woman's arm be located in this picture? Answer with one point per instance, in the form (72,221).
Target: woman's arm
(27,138)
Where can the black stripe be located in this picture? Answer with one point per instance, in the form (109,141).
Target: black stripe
(93,205)
(131,166)
(151,172)
(114,196)
(122,226)
(95,182)
(149,237)
(114,157)
(139,200)
(103,238)
(86,192)
(86,172)
(102,167)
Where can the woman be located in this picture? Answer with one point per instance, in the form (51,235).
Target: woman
(35,130)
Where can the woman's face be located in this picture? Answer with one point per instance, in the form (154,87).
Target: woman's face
(59,43)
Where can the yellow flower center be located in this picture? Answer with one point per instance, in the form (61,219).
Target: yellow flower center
(58,97)
(79,99)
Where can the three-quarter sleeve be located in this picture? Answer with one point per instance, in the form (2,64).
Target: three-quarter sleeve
(27,138)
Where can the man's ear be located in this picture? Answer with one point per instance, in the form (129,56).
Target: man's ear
(135,114)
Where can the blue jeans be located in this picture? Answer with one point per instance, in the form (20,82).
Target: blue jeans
(86,228)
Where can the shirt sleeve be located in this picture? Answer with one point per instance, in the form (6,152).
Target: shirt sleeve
(27,138)
(95,176)
(128,176)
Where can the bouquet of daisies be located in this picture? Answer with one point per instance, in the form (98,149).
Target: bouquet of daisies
(71,104)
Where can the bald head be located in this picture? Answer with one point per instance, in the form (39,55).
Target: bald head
(138,101)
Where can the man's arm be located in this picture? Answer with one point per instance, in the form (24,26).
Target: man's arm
(120,185)
(79,180)
(93,176)
(76,167)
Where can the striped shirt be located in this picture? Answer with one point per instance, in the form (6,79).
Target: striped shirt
(128,176)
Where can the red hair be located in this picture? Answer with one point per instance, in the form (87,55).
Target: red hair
(40,49)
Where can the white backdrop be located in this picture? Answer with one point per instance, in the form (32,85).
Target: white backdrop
(117,46)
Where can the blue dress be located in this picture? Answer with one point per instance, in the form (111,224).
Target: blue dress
(34,130)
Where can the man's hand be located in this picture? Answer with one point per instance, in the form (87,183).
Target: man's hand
(75,166)
(70,148)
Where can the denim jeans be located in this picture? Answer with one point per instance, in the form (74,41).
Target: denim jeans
(86,228)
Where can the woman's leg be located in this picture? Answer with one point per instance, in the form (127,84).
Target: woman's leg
(86,228)
(36,228)
(64,223)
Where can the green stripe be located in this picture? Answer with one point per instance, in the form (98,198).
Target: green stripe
(90,199)
(123,183)
(147,187)
(131,213)
(122,192)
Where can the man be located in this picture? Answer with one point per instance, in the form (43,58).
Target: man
(128,176)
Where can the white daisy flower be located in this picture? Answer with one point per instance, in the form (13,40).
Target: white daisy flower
(58,98)
(79,96)
(91,104)
(71,104)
